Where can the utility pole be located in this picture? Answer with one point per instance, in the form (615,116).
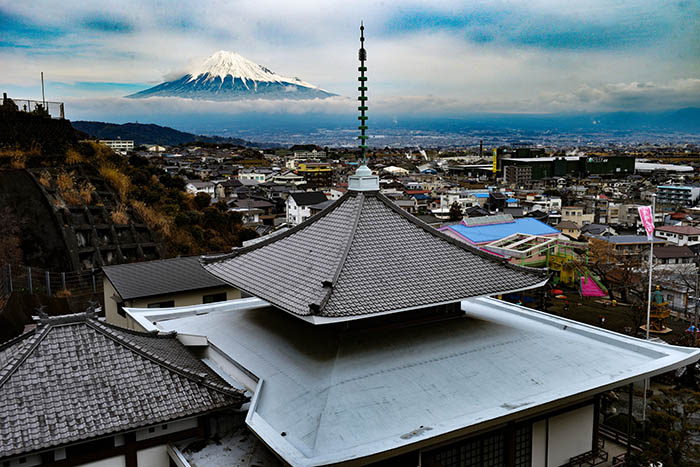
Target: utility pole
(43,96)
(697,289)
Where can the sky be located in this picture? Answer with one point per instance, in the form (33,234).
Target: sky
(424,57)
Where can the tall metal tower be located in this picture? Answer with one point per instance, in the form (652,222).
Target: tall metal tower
(362,98)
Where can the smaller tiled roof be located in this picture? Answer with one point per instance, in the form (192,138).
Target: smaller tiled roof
(74,378)
(594,229)
(627,239)
(664,252)
(252,203)
(679,229)
(475,211)
(162,277)
(308,198)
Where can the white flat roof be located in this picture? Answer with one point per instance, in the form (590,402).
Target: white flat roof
(641,166)
(326,395)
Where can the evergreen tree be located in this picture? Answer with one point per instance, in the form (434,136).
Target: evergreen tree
(456,213)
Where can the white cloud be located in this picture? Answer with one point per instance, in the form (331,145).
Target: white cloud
(317,41)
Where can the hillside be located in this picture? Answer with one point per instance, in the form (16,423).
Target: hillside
(149,133)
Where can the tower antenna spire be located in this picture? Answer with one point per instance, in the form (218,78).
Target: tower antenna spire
(362,98)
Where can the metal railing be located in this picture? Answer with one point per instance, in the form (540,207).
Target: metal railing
(31,280)
(48,108)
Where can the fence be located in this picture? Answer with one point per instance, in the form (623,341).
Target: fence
(53,109)
(30,280)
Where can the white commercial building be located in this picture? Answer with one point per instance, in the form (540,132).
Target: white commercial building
(121,145)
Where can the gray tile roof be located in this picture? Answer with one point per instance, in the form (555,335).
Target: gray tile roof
(673,251)
(74,378)
(364,255)
(150,278)
(307,198)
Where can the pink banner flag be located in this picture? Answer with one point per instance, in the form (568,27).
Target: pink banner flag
(647,220)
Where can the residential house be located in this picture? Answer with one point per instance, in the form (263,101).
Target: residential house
(408,205)
(160,284)
(630,244)
(256,174)
(298,205)
(569,228)
(576,214)
(195,187)
(672,254)
(681,235)
(288,177)
(597,229)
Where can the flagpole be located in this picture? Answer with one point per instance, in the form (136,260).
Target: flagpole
(651,261)
(651,271)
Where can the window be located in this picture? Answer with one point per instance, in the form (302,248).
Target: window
(484,451)
(165,304)
(120,309)
(217,297)
(523,446)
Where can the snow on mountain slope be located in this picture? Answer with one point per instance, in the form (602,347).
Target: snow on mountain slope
(230,76)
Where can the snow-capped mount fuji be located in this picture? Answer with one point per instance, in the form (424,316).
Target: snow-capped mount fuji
(229,76)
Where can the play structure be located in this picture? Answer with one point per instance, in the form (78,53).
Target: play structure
(591,287)
(658,314)
(568,270)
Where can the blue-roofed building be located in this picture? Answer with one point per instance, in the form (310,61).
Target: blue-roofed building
(490,228)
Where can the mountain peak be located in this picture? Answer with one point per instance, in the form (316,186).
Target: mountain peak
(227,75)
(226,63)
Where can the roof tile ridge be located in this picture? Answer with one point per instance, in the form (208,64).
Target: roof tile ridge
(154,334)
(199,378)
(442,236)
(206,260)
(16,339)
(328,286)
(15,362)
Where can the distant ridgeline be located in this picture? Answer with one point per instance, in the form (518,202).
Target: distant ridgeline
(149,133)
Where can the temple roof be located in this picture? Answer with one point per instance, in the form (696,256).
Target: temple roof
(161,277)
(365,256)
(74,378)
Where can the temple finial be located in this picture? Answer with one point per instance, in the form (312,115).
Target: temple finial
(362,98)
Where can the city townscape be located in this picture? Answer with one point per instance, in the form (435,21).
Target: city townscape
(466,297)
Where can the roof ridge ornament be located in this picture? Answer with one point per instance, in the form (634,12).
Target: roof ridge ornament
(363,180)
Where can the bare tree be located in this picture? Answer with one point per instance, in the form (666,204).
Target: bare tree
(617,270)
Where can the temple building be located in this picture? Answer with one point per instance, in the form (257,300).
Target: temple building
(373,339)
(76,391)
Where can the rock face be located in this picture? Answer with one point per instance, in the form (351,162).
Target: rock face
(228,76)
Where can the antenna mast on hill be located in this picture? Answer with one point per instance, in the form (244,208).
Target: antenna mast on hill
(363,98)
(43,96)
